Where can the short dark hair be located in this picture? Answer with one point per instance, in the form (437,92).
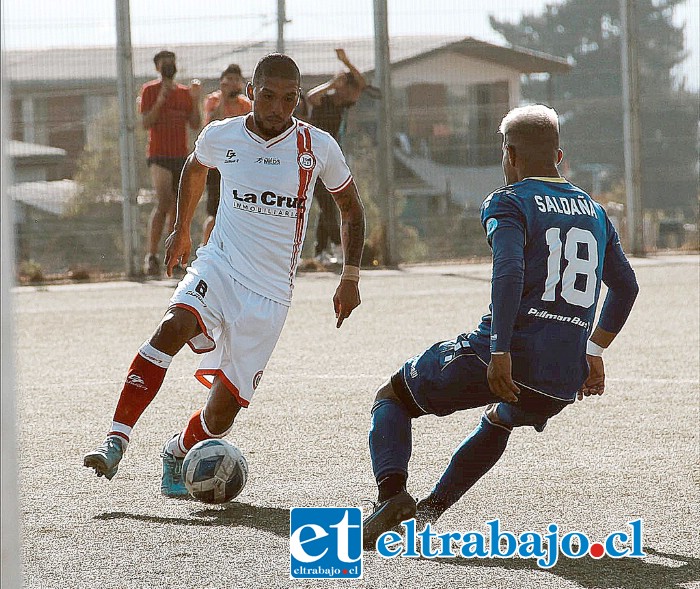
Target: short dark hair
(276,65)
(232,69)
(165,54)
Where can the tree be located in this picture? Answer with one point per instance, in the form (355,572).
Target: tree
(589,98)
(99,171)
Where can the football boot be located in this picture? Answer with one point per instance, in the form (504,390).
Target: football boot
(387,515)
(172,484)
(106,457)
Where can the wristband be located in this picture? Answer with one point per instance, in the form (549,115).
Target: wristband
(593,349)
(351,273)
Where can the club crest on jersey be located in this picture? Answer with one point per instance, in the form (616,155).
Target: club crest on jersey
(257,378)
(307,161)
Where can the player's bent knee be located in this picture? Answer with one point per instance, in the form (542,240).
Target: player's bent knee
(492,416)
(177,327)
(386,391)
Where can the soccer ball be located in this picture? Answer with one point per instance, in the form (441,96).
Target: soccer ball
(214,471)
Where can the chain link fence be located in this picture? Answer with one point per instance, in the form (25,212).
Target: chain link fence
(451,85)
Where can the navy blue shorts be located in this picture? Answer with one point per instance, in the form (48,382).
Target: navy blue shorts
(450,377)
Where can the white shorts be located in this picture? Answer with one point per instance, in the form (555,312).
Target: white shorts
(240,328)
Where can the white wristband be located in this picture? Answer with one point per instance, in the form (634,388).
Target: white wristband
(593,349)
(351,273)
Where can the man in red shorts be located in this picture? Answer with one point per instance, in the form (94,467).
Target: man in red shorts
(167,108)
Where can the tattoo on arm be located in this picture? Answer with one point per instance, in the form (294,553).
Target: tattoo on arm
(352,224)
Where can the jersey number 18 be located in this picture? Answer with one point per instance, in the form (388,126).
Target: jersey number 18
(576,242)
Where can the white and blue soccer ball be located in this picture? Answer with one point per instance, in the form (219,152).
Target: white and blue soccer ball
(214,471)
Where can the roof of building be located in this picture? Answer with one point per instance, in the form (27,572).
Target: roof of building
(55,197)
(22,149)
(466,185)
(206,61)
(31,154)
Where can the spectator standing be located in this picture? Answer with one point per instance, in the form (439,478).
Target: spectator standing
(329,103)
(167,109)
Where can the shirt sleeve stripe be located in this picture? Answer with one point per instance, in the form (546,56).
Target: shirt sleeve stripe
(342,186)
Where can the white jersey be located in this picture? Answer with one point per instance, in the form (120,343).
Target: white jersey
(266,194)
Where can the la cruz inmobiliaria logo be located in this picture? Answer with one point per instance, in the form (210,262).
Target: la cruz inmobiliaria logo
(326,542)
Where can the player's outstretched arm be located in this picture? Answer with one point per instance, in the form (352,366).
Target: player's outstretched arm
(178,245)
(352,235)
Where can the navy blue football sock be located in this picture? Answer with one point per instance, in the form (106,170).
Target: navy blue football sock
(391,485)
(472,460)
(390,439)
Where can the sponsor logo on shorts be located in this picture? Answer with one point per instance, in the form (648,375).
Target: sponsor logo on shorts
(325,542)
(197,296)
(545,548)
(413,370)
(199,292)
(257,378)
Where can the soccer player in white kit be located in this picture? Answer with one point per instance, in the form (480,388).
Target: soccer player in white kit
(233,302)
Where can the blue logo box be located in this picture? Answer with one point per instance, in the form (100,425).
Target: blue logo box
(325,542)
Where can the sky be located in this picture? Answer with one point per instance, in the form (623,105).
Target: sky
(39,24)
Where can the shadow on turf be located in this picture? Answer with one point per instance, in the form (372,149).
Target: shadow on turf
(266,519)
(606,573)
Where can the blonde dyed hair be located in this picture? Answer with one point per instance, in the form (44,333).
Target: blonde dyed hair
(534,117)
(533,130)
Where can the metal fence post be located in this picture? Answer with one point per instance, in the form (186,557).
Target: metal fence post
(385,154)
(632,133)
(127,144)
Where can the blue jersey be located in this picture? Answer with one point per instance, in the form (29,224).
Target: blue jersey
(553,247)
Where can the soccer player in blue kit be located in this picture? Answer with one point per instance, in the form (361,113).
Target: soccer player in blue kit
(535,352)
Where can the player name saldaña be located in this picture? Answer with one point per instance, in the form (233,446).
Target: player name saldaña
(563,318)
(267,203)
(565,205)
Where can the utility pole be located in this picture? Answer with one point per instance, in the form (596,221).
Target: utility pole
(127,144)
(281,21)
(385,153)
(632,132)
